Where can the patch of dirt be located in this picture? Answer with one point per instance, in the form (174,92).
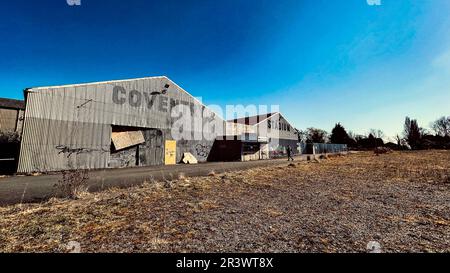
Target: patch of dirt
(401,200)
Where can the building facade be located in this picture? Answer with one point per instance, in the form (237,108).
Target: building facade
(111,124)
(11,120)
(11,115)
(274,133)
(138,122)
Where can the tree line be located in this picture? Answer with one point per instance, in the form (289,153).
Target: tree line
(413,137)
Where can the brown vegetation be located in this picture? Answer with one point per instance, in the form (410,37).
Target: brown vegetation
(400,200)
(73,184)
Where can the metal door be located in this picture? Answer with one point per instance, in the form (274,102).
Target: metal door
(152,153)
(171,152)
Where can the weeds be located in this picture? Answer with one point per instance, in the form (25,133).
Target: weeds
(73,184)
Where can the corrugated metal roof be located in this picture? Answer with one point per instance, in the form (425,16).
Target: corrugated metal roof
(253,120)
(93,83)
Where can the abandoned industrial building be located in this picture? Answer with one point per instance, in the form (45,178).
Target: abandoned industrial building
(128,123)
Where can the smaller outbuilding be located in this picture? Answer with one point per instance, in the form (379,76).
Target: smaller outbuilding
(11,121)
(256,138)
(11,115)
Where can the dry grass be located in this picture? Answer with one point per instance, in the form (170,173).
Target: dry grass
(401,200)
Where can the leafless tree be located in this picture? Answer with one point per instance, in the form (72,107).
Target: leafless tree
(302,135)
(441,126)
(377,133)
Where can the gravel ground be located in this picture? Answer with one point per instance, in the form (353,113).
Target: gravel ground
(401,200)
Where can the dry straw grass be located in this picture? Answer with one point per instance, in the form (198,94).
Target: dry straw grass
(397,199)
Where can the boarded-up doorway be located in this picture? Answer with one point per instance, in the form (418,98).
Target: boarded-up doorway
(125,142)
(152,152)
(136,147)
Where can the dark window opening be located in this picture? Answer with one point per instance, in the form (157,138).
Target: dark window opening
(250,148)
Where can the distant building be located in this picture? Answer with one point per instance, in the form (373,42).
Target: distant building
(11,120)
(11,115)
(257,137)
(275,130)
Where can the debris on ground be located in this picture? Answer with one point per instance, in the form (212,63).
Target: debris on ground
(189,158)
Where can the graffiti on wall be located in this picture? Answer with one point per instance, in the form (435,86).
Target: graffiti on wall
(152,100)
(77,151)
(202,150)
(280,125)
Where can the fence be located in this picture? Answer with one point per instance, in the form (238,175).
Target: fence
(321,148)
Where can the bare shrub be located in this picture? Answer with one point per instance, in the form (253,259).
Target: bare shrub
(382,150)
(73,184)
(168,185)
(181,176)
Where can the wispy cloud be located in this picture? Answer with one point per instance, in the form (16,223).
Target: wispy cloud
(442,62)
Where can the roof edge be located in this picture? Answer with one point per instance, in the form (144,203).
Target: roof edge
(12,104)
(269,115)
(91,83)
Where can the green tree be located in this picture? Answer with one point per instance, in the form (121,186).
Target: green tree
(339,135)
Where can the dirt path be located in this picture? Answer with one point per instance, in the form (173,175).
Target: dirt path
(32,189)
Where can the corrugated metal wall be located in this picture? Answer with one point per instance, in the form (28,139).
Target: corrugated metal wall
(69,127)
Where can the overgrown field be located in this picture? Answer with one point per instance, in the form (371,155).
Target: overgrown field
(401,200)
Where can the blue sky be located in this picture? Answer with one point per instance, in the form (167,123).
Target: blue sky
(322,61)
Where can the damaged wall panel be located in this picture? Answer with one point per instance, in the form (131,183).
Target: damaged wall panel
(122,140)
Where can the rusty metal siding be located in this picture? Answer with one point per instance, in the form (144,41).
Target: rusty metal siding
(69,127)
